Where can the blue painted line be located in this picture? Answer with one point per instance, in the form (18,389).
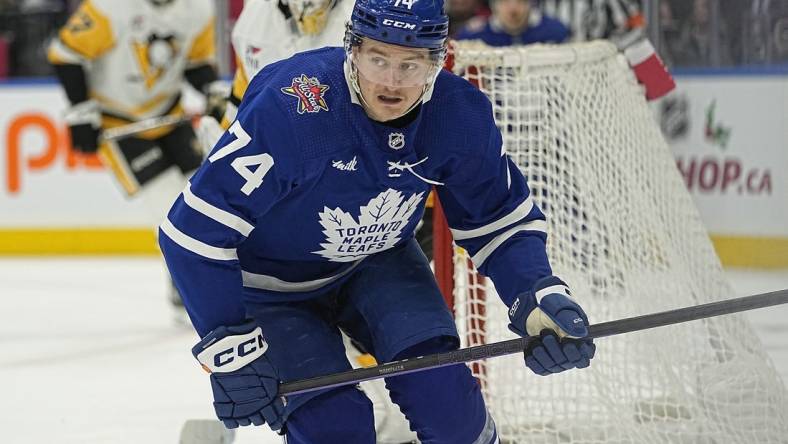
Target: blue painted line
(27,81)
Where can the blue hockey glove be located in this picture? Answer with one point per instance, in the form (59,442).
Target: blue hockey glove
(243,381)
(549,313)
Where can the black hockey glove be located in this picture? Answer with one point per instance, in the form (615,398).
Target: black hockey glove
(216,94)
(84,121)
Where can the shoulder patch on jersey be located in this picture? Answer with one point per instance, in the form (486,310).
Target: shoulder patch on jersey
(309,92)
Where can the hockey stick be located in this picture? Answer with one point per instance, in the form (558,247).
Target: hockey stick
(143,125)
(626,325)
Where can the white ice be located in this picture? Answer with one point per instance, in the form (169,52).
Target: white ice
(89,352)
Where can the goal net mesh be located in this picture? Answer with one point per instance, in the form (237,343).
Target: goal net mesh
(625,235)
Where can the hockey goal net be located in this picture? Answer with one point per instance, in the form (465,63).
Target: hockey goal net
(624,233)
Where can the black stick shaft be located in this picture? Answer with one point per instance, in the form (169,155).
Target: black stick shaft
(512,346)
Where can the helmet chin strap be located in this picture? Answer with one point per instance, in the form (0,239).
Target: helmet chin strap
(352,74)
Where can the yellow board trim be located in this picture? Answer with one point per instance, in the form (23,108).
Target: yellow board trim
(77,241)
(753,252)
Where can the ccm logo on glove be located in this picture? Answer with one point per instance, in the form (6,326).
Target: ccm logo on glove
(230,353)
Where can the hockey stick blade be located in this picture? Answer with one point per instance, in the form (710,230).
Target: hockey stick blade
(479,352)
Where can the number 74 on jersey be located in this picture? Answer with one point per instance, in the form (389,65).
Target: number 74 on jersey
(243,164)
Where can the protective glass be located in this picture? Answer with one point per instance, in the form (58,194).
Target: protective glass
(401,67)
(310,15)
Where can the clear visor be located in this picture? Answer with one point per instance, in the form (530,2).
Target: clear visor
(395,66)
(310,15)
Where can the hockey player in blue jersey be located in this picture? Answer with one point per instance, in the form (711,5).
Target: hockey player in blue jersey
(514,22)
(300,224)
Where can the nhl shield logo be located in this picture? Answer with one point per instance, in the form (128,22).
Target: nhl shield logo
(396,140)
(309,92)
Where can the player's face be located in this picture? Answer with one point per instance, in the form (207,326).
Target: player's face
(391,77)
(512,14)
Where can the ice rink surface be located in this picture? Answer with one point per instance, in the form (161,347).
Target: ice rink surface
(89,352)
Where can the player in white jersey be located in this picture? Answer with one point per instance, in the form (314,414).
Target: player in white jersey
(271,30)
(125,62)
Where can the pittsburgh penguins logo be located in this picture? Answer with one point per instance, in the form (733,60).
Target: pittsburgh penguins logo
(154,55)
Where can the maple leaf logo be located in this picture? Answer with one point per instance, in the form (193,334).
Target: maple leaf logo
(379,226)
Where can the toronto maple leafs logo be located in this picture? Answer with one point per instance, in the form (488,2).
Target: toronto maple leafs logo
(309,93)
(378,228)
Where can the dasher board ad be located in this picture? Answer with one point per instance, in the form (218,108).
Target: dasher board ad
(46,184)
(729,136)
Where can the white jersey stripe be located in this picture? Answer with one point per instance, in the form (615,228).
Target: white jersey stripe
(482,255)
(223,217)
(562,289)
(488,434)
(271,283)
(516,215)
(195,246)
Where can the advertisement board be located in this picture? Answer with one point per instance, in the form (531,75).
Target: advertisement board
(729,135)
(52,199)
(730,140)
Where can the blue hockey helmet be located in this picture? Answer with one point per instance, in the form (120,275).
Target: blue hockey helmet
(413,23)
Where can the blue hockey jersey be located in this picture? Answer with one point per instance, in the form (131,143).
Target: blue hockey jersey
(303,186)
(541,29)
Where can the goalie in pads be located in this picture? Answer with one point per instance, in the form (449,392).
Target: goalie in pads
(124,62)
(301,225)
